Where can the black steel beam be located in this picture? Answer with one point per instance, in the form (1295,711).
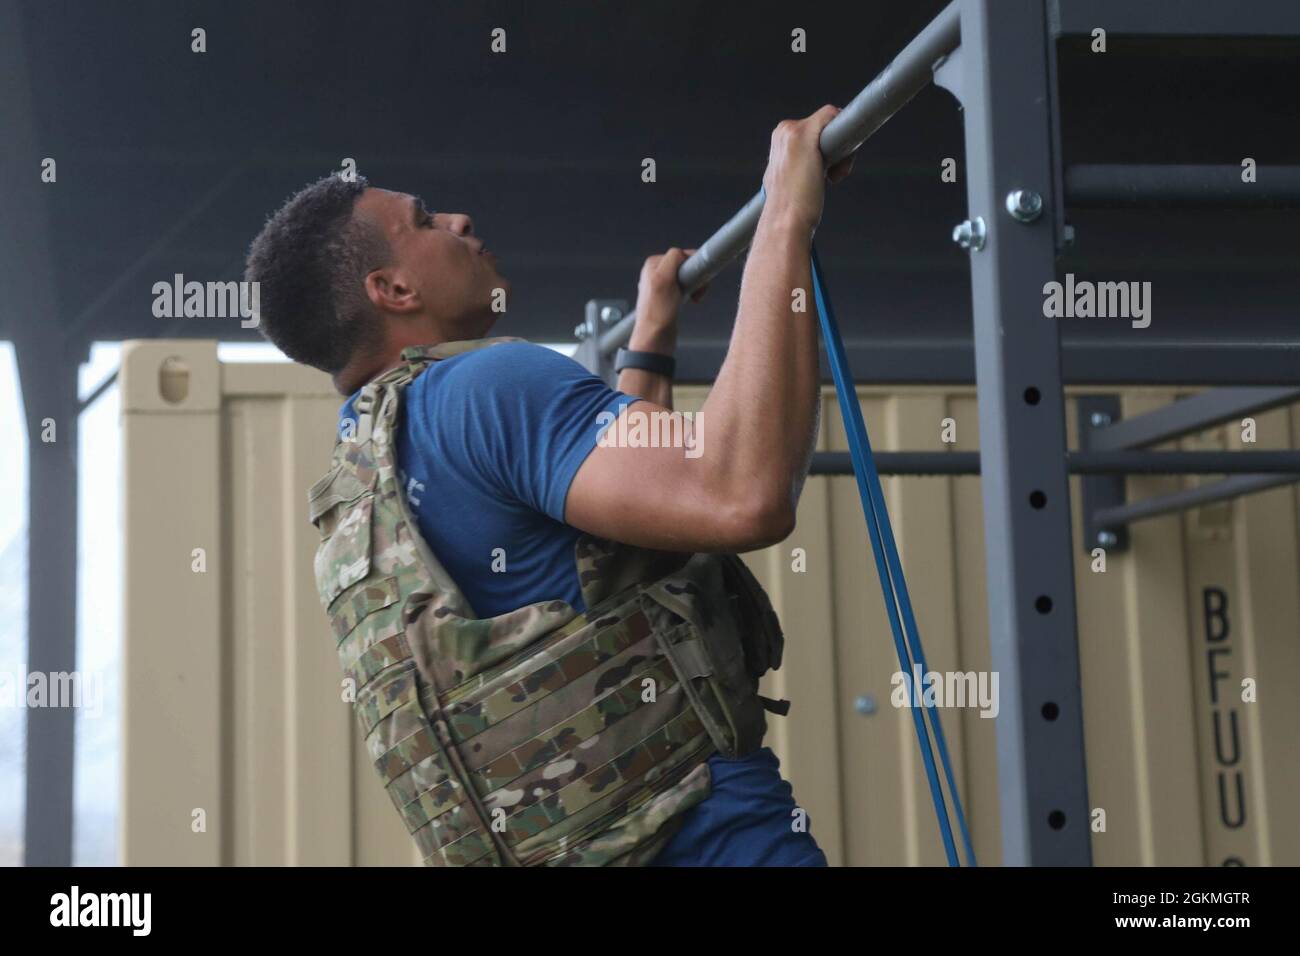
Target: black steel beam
(98,392)
(1183,18)
(1077,463)
(48,379)
(901,463)
(1091,361)
(949,361)
(1179,185)
(47,375)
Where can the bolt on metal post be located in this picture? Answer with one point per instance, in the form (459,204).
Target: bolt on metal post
(1025,205)
(970,234)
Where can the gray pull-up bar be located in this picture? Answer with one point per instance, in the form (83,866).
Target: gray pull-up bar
(884,96)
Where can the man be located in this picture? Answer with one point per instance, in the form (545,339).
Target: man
(499,446)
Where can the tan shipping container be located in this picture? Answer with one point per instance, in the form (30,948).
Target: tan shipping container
(234,715)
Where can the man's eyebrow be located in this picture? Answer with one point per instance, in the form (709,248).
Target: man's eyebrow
(417,210)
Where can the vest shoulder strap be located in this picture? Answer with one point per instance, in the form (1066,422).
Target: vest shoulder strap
(415,359)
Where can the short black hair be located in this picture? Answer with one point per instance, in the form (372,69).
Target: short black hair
(310,262)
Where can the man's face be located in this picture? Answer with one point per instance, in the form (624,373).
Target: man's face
(437,257)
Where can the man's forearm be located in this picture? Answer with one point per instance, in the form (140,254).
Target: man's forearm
(763,407)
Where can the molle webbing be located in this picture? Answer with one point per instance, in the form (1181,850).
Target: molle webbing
(539,736)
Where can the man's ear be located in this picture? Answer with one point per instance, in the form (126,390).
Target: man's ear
(389,292)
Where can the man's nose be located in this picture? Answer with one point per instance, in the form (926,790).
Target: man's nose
(460,224)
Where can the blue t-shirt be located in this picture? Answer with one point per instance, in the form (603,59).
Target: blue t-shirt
(488,445)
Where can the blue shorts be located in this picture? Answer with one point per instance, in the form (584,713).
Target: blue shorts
(749,819)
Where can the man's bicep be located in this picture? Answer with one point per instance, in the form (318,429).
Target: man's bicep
(657,497)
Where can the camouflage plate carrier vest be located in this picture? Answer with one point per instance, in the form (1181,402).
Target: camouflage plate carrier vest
(539,737)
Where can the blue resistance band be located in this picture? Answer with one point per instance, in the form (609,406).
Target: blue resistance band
(892,583)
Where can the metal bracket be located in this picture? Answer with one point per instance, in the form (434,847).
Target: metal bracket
(947,74)
(600,316)
(1095,413)
(1106,513)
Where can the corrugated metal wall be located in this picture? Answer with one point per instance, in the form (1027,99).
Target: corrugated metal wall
(234,715)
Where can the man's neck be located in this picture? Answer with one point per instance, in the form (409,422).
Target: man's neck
(362,370)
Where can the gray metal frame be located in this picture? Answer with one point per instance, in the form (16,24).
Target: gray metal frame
(1000,62)
(598,316)
(1008,98)
(1106,510)
(1093,413)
